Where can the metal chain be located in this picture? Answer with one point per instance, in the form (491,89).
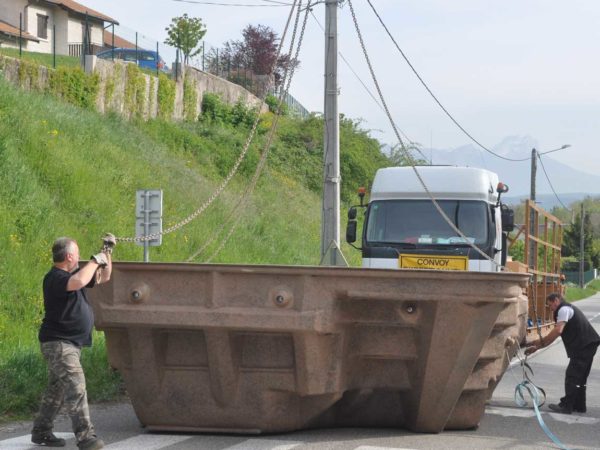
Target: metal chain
(261,164)
(243,201)
(235,167)
(405,150)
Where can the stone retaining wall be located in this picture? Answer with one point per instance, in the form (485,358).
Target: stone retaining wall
(113,83)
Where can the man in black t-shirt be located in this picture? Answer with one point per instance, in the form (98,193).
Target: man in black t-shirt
(66,328)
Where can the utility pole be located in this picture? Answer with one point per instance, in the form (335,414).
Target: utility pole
(533,174)
(330,224)
(532,230)
(581,250)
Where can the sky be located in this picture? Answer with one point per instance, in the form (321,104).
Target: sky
(501,68)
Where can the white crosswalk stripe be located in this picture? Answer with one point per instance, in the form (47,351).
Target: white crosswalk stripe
(158,442)
(529,412)
(510,412)
(148,442)
(265,444)
(372,447)
(24,442)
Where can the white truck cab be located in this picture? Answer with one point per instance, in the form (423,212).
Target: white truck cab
(403,229)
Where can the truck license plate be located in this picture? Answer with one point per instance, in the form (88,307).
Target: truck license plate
(406,261)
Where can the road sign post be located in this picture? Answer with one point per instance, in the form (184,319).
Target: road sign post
(148,219)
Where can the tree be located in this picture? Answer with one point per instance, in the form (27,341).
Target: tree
(572,236)
(398,156)
(256,52)
(185,33)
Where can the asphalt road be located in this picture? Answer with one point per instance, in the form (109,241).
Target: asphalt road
(503,426)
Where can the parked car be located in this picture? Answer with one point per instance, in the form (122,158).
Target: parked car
(148,59)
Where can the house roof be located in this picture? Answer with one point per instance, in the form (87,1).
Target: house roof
(10,30)
(82,9)
(119,41)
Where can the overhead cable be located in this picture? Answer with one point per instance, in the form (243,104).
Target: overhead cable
(405,150)
(550,182)
(233,170)
(237,211)
(287,79)
(433,95)
(199,2)
(365,86)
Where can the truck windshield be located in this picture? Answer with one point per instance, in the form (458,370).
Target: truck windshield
(419,222)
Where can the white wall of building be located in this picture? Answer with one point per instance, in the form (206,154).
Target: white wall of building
(45,44)
(75,30)
(61,20)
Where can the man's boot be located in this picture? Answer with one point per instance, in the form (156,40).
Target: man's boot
(46,438)
(579,405)
(92,443)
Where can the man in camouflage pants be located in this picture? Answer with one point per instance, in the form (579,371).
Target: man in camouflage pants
(66,328)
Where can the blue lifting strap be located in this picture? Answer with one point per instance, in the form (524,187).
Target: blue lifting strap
(538,397)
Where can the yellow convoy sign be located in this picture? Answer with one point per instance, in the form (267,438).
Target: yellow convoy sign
(406,261)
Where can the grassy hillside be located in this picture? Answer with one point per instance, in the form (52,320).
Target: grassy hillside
(68,171)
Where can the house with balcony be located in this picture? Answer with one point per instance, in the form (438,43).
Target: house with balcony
(64,25)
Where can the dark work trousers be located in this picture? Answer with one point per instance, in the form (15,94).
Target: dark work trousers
(576,377)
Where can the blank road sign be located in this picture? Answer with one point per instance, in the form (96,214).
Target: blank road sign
(148,215)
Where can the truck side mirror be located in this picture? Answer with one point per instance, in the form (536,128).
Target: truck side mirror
(508,219)
(352,213)
(351,228)
(351,232)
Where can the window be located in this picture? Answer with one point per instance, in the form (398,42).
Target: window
(146,56)
(42,26)
(129,55)
(418,222)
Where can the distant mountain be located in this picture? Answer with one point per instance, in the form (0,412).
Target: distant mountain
(549,201)
(569,183)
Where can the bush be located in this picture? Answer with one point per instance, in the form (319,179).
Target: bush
(272,102)
(190,97)
(135,91)
(166,96)
(75,86)
(214,110)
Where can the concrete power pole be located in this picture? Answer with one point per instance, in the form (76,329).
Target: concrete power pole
(330,224)
(532,230)
(581,251)
(533,173)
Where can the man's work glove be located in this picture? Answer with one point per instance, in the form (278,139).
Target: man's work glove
(108,243)
(101,259)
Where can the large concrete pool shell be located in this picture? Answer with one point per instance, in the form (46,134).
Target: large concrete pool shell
(263,349)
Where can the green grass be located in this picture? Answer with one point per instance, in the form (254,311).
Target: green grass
(43,59)
(68,171)
(575,293)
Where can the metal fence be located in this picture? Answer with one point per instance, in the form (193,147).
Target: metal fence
(295,108)
(212,60)
(573,277)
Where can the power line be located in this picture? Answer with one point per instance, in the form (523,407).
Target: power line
(550,182)
(275,5)
(355,74)
(405,150)
(433,95)
(367,88)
